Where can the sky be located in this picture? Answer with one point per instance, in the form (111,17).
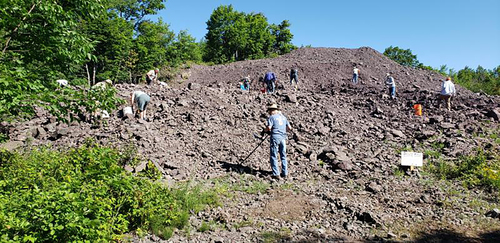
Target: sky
(456,33)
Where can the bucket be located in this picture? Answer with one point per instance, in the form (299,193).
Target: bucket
(418,109)
(127,110)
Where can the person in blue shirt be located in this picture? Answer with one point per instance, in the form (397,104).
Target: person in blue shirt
(277,127)
(270,80)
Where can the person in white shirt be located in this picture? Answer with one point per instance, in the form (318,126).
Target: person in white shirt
(152,76)
(355,75)
(447,92)
(392,85)
(103,84)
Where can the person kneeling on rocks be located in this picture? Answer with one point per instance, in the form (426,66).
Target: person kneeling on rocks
(245,83)
(141,100)
(277,127)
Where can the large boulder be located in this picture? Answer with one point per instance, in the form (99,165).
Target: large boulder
(494,113)
(11,145)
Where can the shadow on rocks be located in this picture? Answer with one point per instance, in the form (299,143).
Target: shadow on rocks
(243,169)
(448,236)
(493,236)
(310,236)
(444,236)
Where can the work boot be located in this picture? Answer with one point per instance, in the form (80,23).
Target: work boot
(274,178)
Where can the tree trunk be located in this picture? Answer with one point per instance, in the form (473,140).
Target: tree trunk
(88,74)
(93,75)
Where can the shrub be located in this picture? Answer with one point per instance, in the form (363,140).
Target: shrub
(84,195)
(480,169)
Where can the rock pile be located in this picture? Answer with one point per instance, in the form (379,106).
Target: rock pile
(342,152)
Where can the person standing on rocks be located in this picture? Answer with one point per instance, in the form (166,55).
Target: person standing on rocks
(355,75)
(152,76)
(294,77)
(447,92)
(270,80)
(141,100)
(389,81)
(277,127)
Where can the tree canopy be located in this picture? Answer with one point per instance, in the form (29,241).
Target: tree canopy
(84,42)
(234,36)
(401,56)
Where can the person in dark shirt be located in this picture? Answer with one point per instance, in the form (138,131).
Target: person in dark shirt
(270,80)
(294,77)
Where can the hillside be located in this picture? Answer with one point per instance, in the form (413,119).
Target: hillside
(344,149)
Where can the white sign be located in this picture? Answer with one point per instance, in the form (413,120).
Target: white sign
(412,159)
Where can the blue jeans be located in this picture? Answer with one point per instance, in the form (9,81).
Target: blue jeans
(392,91)
(354,78)
(270,86)
(278,144)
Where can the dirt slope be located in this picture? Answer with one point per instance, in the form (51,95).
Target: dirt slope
(342,154)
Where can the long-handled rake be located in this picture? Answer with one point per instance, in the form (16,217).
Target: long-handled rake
(263,139)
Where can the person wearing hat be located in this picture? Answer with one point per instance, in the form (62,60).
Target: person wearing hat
(389,81)
(141,100)
(447,92)
(277,127)
(152,76)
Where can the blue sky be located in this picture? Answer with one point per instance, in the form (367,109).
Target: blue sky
(457,33)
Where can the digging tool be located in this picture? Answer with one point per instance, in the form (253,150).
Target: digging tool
(263,139)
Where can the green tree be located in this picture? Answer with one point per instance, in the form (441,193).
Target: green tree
(134,11)
(283,37)
(183,49)
(234,36)
(41,42)
(217,37)
(403,57)
(479,80)
(151,45)
(259,41)
(113,40)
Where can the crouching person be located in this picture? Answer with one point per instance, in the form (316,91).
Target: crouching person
(140,100)
(277,127)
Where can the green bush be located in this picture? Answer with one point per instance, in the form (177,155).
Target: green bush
(480,169)
(84,195)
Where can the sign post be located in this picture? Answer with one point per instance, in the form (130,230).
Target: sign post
(411,159)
